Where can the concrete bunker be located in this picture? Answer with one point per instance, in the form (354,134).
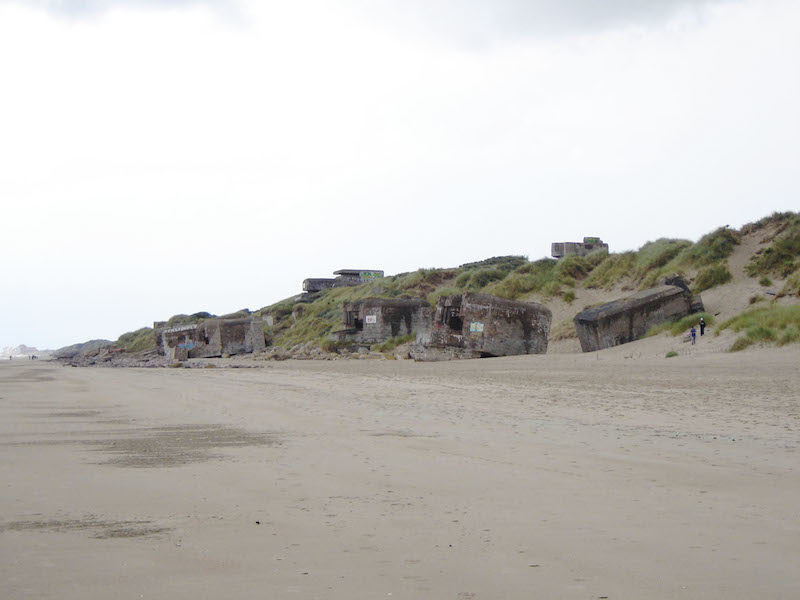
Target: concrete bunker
(589,244)
(375,320)
(480,325)
(628,319)
(317,284)
(344,278)
(213,337)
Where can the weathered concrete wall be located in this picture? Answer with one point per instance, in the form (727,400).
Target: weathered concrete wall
(312,285)
(375,320)
(176,342)
(678,281)
(478,325)
(628,319)
(238,336)
(562,249)
(345,278)
(213,337)
(359,275)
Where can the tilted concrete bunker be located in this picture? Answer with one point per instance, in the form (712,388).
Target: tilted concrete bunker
(628,319)
(375,320)
(213,337)
(480,325)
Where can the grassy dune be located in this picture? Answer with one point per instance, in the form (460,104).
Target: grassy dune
(768,325)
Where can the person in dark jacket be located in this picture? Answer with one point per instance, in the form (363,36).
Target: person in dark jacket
(702,326)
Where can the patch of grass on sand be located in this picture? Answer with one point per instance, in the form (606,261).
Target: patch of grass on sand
(782,256)
(564,330)
(791,287)
(712,248)
(671,354)
(539,276)
(394,342)
(612,270)
(770,324)
(711,277)
(137,341)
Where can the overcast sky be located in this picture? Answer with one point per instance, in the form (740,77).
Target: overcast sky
(159,157)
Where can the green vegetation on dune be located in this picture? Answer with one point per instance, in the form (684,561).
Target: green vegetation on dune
(711,277)
(779,220)
(475,276)
(394,342)
(772,324)
(177,320)
(653,260)
(531,277)
(612,270)
(711,249)
(708,257)
(478,279)
(504,263)
(654,255)
(563,330)
(546,277)
(792,286)
(137,341)
(782,256)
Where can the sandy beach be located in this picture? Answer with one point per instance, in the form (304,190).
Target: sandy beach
(611,475)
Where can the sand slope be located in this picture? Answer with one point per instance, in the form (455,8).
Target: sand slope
(575,476)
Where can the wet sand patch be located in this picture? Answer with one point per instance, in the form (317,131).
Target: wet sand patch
(103,529)
(177,445)
(73,413)
(400,433)
(155,447)
(28,376)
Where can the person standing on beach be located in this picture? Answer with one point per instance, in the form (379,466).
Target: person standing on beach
(693,331)
(702,326)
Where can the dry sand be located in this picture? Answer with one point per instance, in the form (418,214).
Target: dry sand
(613,475)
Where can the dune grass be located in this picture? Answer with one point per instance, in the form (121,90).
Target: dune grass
(712,248)
(782,256)
(563,330)
(137,341)
(198,317)
(394,342)
(711,277)
(766,325)
(791,287)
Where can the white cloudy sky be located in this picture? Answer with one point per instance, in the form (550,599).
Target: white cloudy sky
(159,157)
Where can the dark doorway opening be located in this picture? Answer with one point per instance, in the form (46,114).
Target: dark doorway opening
(452,318)
(353,321)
